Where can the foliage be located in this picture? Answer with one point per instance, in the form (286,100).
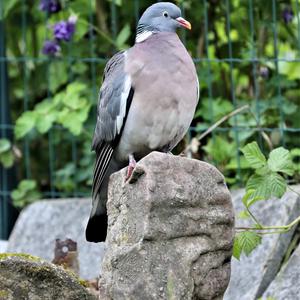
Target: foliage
(25,193)
(70,108)
(267,181)
(6,154)
(55,63)
(245,242)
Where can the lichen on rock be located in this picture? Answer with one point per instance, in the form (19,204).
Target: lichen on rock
(24,276)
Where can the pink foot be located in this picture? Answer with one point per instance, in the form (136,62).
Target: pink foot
(131,166)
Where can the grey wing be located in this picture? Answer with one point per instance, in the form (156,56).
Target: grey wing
(115,98)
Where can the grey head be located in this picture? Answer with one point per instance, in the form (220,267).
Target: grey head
(162,17)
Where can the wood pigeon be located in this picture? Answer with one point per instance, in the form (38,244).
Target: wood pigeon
(147,102)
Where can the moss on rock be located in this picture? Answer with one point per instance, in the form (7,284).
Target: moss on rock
(23,276)
(23,255)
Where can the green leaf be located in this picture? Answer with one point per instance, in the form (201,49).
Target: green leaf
(44,107)
(254,156)
(75,88)
(82,27)
(72,123)
(24,124)
(79,67)
(58,75)
(8,6)
(245,242)
(237,250)
(280,161)
(44,122)
(5,145)
(7,159)
(17,194)
(220,149)
(213,110)
(25,193)
(289,107)
(243,215)
(250,197)
(83,113)
(247,196)
(233,164)
(117,2)
(64,178)
(265,187)
(27,185)
(123,36)
(295,152)
(278,185)
(74,102)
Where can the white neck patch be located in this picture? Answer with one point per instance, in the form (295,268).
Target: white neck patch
(140,37)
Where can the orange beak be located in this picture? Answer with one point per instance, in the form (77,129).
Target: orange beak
(184,23)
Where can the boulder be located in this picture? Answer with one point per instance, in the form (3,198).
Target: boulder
(286,286)
(3,246)
(42,223)
(28,277)
(170,232)
(251,276)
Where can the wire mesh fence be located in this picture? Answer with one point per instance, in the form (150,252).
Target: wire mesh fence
(246,53)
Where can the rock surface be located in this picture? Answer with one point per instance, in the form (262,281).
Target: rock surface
(23,277)
(286,284)
(251,276)
(41,223)
(3,246)
(170,232)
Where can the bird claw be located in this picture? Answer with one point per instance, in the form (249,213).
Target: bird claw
(131,166)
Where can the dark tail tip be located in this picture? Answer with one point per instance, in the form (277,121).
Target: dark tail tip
(96,229)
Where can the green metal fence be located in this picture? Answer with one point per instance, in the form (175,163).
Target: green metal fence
(227,51)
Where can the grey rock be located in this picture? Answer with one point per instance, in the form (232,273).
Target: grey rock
(286,284)
(23,277)
(170,232)
(3,246)
(41,223)
(251,275)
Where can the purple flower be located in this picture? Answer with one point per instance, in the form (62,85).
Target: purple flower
(50,6)
(64,30)
(287,15)
(51,48)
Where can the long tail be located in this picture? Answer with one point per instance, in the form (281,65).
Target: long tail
(96,229)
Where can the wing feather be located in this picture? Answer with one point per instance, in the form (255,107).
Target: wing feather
(103,157)
(115,97)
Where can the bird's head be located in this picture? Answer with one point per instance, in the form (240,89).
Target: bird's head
(162,17)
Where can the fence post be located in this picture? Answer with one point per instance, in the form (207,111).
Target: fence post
(8,213)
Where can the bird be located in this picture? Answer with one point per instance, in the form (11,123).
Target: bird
(146,103)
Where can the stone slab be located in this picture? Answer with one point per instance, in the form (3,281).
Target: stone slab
(251,276)
(3,246)
(286,284)
(41,223)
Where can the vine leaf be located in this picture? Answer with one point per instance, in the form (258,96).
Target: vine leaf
(280,161)
(245,242)
(254,156)
(6,155)
(26,193)
(264,187)
(25,123)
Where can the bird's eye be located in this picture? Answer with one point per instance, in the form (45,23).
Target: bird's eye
(165,14)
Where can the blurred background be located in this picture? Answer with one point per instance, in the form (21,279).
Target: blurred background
(52,56)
